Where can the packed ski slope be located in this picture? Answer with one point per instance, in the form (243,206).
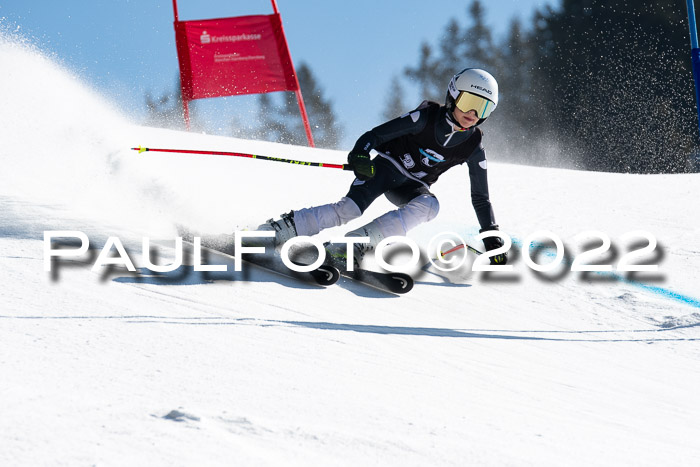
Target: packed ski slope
(110,367)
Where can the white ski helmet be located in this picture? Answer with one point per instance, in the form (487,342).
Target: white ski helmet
(472,89)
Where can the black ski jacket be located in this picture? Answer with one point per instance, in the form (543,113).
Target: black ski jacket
(424,144)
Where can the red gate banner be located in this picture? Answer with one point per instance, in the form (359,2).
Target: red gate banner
(233,56)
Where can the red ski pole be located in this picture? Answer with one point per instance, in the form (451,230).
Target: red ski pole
(459,247)
(141,149)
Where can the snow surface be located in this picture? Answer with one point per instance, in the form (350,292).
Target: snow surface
(109,367)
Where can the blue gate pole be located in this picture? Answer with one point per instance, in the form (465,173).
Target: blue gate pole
(694,54)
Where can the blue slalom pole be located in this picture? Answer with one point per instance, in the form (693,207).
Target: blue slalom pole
(694,54)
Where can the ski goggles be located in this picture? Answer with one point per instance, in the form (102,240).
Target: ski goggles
(467,101)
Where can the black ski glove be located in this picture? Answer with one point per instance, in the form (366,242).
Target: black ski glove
(491,243)
(362,165)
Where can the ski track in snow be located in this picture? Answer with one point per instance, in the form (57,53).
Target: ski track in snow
(218,368)
(659,291)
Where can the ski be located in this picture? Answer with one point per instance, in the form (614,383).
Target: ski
(325,275)
(394,282)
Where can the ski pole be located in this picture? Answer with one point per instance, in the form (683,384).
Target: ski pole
(442,254)
(459,247)
(141,149)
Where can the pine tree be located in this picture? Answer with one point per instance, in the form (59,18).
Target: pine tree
(607,82)
(280,122)
(471,47)
(280,119)
(512,65)
(477,40)
(425,74)
(324,124)
(166,110)
(615,80)
(395,104)
(513,68)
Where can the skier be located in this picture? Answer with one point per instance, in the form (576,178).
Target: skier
(413,151)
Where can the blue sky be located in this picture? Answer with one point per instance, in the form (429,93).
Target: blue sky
(126,48)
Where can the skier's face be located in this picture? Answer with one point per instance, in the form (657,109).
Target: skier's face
(466,119)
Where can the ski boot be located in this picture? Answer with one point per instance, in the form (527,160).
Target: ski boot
(283,227)
(336,253)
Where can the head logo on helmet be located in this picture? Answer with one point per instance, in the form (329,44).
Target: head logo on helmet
(472,89)
(483,89)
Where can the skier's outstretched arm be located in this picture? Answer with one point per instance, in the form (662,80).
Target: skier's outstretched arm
(480,188)
(482,203)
